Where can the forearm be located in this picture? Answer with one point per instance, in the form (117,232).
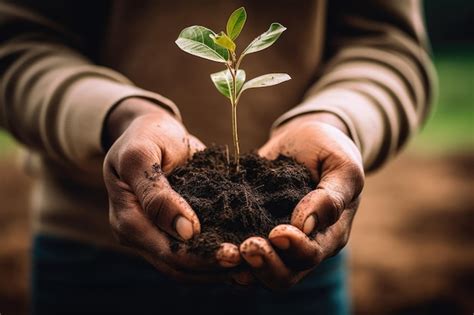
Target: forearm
(316,117)
(379,79)
(53,99)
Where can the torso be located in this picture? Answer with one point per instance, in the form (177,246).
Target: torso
(140,44)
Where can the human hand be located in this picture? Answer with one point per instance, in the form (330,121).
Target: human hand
(321,221)
(144,211)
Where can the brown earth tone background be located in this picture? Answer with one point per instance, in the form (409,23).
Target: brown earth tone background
(412,245)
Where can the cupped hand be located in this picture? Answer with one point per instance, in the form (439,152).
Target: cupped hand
(145,212)
(321,221)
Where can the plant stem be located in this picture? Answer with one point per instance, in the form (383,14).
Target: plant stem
(233,101)
(237,63)
(232,67)
(235,136)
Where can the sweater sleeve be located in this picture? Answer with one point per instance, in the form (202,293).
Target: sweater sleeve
(378,77)
(53,98)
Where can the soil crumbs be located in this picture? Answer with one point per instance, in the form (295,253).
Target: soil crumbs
(234,205)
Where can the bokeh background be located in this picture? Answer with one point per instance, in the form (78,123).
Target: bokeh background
(412,246)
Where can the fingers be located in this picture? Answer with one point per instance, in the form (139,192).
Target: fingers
(133,229)
(141,170)
(296,249)
(266,265)
(136,231)
(270,150)
(300,252)
(341,183)
(166,208)
(334,238)
(228,255)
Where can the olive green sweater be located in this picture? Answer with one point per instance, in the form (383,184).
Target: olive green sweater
(65,64)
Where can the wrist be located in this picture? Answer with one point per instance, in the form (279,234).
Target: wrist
(123,114)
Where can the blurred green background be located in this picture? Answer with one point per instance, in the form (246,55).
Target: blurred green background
(451,124)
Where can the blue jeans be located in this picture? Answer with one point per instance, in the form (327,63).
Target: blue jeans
(72,277)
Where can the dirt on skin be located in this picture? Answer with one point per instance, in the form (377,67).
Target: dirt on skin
(234,205)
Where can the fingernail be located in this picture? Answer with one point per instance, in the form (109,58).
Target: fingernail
(227,257)
(255,261)
(309,224)
(281,242)
(184,228)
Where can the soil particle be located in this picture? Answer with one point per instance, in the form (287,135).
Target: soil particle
(155,172)
(234,205)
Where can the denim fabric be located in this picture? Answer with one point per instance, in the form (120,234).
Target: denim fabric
(71,277)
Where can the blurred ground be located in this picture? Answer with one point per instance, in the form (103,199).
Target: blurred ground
(412,243)
(15,237)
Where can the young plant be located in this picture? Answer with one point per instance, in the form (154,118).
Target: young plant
(203,42)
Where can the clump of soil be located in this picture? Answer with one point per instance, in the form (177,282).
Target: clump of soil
(234,205)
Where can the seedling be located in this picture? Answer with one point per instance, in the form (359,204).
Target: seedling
(203,42)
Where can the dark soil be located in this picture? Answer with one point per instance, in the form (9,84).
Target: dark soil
(234,205)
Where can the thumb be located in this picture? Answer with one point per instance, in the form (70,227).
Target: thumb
(322,207)
(165,207)
(195,145)
(161,204)
(270,150)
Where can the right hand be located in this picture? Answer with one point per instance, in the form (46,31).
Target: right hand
(144,211)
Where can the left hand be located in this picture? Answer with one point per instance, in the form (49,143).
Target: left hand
(321,221)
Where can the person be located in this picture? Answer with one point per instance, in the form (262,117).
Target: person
(362,84)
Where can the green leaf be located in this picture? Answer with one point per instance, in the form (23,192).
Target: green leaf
(223,40)
(266,39)
(266,80)
(195,40)
(236,22)
(223,82)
